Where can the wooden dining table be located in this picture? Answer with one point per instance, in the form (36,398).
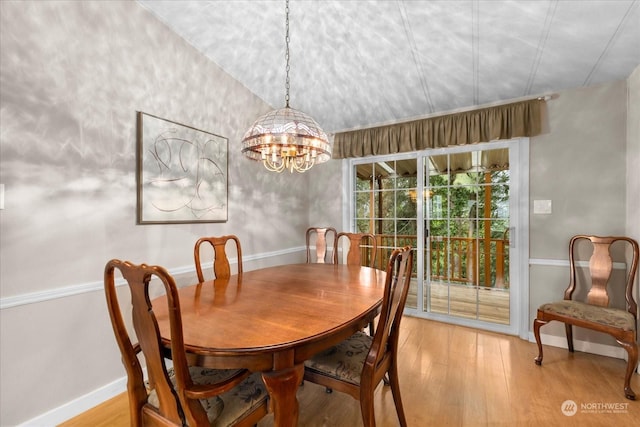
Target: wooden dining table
(272,319)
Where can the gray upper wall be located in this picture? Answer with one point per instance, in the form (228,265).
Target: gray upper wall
(72,76)
(633,155)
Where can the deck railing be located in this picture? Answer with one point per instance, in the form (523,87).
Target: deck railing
(464,260)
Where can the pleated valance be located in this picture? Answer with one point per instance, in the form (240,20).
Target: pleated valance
(483,125)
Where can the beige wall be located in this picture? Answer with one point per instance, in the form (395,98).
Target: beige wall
(73,76)
(633,162)
(633,155)
(580,165)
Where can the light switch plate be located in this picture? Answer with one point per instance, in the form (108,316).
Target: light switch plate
(542,206)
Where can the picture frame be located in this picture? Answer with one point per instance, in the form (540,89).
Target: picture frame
(182,173)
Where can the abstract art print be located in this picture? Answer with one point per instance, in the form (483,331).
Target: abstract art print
(181,173)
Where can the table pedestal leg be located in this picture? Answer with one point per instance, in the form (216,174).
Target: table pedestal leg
(282,386)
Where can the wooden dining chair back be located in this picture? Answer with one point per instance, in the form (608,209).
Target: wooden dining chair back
(320,238)
(361,248)
(221,265)
(178,395)
(594,311)
(356,245)
(357,365)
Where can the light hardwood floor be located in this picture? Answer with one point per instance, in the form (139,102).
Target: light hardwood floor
(457,376)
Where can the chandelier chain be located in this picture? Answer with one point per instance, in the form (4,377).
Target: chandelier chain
(286,54)
(286,139)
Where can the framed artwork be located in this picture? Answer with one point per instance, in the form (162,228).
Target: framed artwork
(181,173)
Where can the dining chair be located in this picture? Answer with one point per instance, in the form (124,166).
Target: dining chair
(357,365)
(323,235)
(357,244)
(179,395)
(587,300)
(221,266)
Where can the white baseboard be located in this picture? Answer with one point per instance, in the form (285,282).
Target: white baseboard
(77,406)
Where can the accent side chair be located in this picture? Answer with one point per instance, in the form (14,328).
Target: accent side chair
(594,311)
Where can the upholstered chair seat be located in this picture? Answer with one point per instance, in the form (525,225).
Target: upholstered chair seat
(344,361)
(227,408)
(605,316)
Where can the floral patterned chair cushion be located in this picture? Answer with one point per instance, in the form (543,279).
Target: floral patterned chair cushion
(343,361)
(226,408)
(592,313)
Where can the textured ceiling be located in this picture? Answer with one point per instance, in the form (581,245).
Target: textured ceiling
(363,63)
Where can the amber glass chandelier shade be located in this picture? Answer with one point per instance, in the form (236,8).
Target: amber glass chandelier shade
(286,139)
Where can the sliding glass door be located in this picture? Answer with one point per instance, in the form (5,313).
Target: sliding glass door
(455,208)
(467,220)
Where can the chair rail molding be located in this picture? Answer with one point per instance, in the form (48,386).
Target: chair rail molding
(565,263)
(67,291)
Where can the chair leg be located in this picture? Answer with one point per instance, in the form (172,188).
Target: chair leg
(569,330)
(368,413)
(632,362)
(537,323)
(395,392)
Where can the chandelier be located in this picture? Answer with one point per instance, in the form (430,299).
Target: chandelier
(286,138)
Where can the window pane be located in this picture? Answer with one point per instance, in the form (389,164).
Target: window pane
(407,182)
(437,179)
(364,226)
(438,201)
(364,208)
(406,203)
(363,184)
(385,204)
(500,201)
(407,227)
